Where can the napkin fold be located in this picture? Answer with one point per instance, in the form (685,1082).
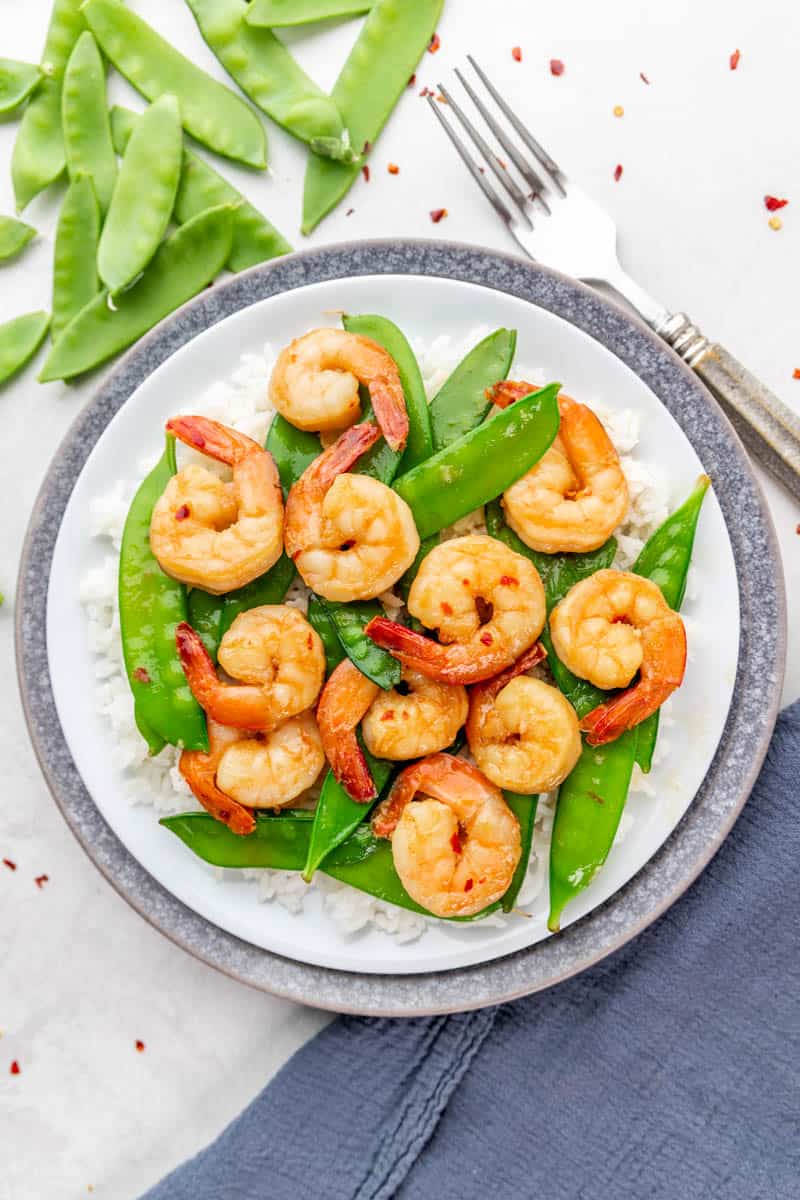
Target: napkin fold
(670,1071)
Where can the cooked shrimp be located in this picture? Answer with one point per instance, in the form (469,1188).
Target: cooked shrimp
(522,733)
(315,381)
(277,656)
(414,720)
(606,629)
(486,602)
(214,535)
(455,849)
(345,698)
(350,536)
(200,772)
(273,769)
(576,495)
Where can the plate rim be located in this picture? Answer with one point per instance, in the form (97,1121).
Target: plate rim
(393,995)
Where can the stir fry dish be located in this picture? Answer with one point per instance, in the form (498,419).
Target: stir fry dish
(378,638)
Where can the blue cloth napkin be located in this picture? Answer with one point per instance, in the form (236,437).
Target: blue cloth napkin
(668,1072)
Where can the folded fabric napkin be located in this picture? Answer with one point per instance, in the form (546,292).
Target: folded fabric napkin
(668,1072)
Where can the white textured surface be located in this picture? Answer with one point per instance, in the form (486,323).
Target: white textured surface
(81,977)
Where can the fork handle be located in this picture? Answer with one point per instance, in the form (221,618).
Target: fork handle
(769,429)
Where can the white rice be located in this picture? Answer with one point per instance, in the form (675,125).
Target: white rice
(242,402)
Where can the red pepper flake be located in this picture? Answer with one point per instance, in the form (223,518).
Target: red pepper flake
(797,529)
(365,173)
(142,675)
(644,78)
(426,91)
(501,162)
(349,212)
(773,203)
(41,880)
(437,214)
(618,172)
(366,148)
(516,53)
(434,44)
(412,80)
(796,373)
(455,842)
(393,169)
(509,581)
(468,886)
(14,1068)
(556,66)
(442,99)
(388,715)
(486,638)
(139,1046)
(12,866)
(734,59)
(182,513)
(446,608)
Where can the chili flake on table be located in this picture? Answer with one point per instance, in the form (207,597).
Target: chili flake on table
(365,173)
(12,866)
(618,172)
(796,373)
(393,169)
(644,78)
(437,214)
(434,44)
(556,66)
(41,880)
(516,53)
(773,203)
(15,1070)
(734,59)
(139,1044)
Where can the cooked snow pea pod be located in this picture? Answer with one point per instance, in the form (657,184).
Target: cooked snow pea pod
(14,237)
(524,809)
(350,621)
(151,605)
(380,462)
(319,619)
(182,267)
(419,445)
(210,112)
(275,14)
(372,80)
(337,815)
(75,278)
(268,73)
(17,81)
(87,133)
(144,197)
(293,450)
(461,402)
(255,239)
(19,341)
(212,616)
(39,158)
(481,464)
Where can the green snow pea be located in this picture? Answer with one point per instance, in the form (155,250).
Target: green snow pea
(87,134)
(210,112)
(144,197)
(212,616)
(372,80)
(461,402)
(350,621)
(19,341)
(268,73)
(320,620)
(255,239)
(483,463)
(182,267)
(524,808)
(17,81)
(274,14)
(14,237)
(420,442)
(151,605)
(39,157)
(293,450)
(75,279)
(337,815)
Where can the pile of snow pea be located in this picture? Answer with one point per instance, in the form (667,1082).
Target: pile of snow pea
(118,270)
(449,440)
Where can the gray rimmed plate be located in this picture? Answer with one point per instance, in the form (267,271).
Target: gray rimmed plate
(648,364)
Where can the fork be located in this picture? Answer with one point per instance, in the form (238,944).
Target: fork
(557,224)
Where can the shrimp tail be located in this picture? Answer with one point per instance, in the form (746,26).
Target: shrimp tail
(609,721)
(507,391)
(199,770)
(531,658)
(350,768)
(438,775)
(345,698)
(212,438)
(390,411)
(420,653)
(344,452)
(236,706)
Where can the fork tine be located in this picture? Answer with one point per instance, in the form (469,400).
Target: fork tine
(530,141)
(528,173)
(504,178)
(488,191)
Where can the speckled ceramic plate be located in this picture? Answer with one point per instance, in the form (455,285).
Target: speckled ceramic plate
(581,339)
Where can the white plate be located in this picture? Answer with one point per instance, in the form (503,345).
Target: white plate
(425,307)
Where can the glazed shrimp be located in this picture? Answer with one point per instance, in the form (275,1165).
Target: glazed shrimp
(456,848)
(576,495)
(214,535)
(415,720)
(273,769)
(345,698)
(315,382)
(522,733)
(486,602)
(200,772)
(350,536)
(606,629)
(277,656)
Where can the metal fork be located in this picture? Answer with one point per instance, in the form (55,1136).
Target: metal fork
(557,224)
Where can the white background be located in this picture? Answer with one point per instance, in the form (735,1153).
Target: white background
(81,976)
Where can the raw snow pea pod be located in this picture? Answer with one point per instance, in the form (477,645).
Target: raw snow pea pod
(151,605)
(39,158)
(212,616)
(268,73)
(144,197)
(182,267)
(75,278)
(293,450)
(17,81)
(87,134)
(337,816)
(255,239)
(461,402)
(14,237)
(210,112)
(275,14)
(350,621)
(320,620)
(483,463)
(394,37)
(19,341)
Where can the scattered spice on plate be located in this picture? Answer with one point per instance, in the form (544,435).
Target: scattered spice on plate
(734,59)
(412,80)
(437,214)
(349,212)
(556,66)
(773,203)
(796,373)
(516,53)
(618,172)
(139,1046)
(14,1068)
(434,44)
(41,880)
(12,866)
(393,169)
(644,78)
(619,111)
(426,91)
(365,173)
(775,223)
